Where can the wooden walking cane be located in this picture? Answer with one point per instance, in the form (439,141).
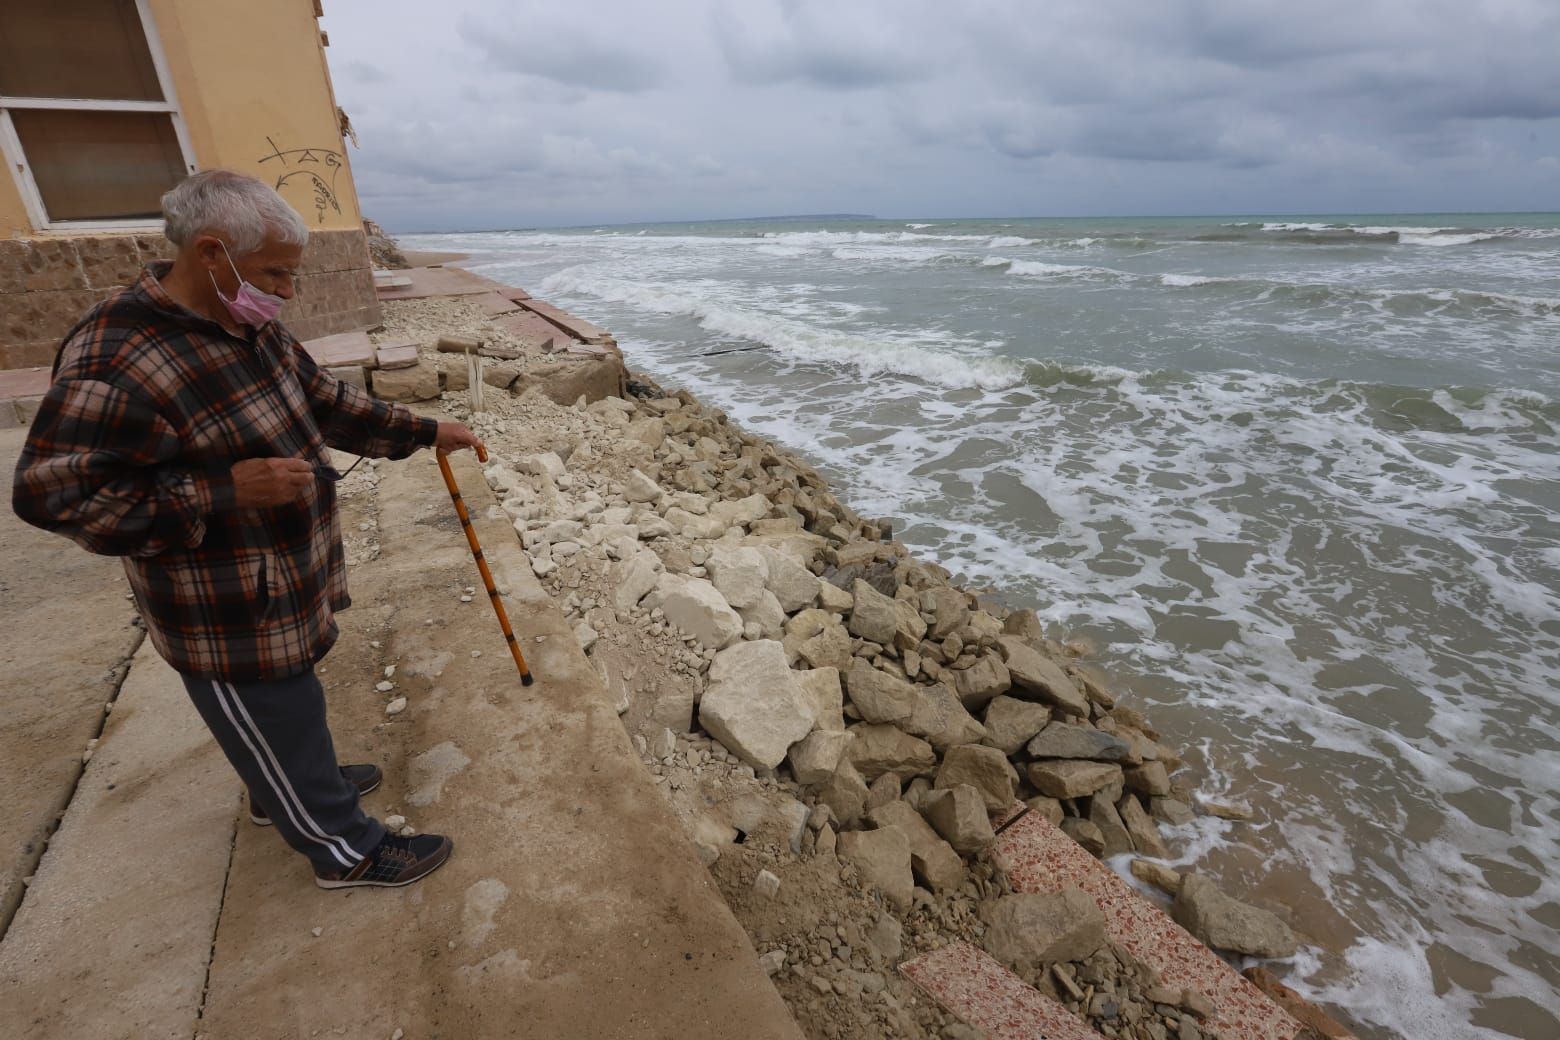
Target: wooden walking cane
(487,575)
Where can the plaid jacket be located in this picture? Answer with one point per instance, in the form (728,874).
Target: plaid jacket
(130,455)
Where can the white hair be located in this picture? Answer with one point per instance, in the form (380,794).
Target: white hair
(243,211)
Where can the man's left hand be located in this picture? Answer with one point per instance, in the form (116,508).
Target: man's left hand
(453,436)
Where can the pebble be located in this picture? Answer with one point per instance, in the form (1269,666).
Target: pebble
(476,654)
(396,706)
(384,686)
(316,932)
(394,822)
(399,1032)
(465,599)
(766,885)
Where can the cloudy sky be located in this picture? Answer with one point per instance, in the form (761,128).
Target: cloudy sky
(510,113)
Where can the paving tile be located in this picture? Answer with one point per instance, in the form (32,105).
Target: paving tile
(1038,857)
(495,303)
(515,294)
(533,330)
(579,328)
(440,281)
(971,985)
(396,355)
(344,348)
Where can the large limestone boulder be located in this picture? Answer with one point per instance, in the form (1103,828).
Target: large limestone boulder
(1038,677)
(950,609)
(932,859)
(880,749)
(793,585)
(1011,723)
(766,614)
(1062,740)
(822,687)
(1150,778)
(640,488)
(845,793)
(872,614)
(1226,923)
(1072,778)
(1142,829)
(938,716)
(909,629)
(698,608)
(418,383)
(742,512)
(816,757)
(694,527)
(1102,813)
(878,696)
(959,815)
(981,681)
(984,768)
(753,705)
(633,579)
(817,637)
(883,859)
(1029,931)
(740,574)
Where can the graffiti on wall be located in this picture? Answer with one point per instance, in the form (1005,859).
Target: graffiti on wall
(314,169)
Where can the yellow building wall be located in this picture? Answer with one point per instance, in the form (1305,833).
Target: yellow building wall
(251,81)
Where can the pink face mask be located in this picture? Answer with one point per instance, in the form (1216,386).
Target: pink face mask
(249,305)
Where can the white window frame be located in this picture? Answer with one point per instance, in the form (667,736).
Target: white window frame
(21,171)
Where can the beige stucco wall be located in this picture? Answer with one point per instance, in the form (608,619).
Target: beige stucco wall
(251,81)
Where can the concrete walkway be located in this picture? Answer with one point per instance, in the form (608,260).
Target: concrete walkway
(573,906)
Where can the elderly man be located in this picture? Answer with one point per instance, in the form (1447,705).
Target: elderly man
(186,432)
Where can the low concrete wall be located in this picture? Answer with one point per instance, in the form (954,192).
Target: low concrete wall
(47,283)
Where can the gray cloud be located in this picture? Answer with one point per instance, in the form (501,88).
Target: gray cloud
(503,113)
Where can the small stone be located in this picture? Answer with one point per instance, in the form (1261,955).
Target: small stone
(384,686)
(984,768)
(465,599)
(316,932)
(772,962)
(1197,1003)
(1027,931)
(396,706)
(1226,923)
(959,815)
(766,885)
(476,654)
(1085,834)
(1156,874)
(394,822)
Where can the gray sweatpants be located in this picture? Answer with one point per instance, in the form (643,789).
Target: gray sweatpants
(275,735)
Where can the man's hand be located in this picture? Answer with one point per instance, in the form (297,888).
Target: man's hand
(270,482)
(453,436)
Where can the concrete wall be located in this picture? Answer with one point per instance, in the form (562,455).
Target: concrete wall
(254,90)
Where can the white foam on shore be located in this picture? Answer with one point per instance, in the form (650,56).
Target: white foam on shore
(800,341)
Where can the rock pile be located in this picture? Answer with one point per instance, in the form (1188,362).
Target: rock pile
(822,707)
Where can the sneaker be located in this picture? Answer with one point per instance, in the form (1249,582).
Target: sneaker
(394,862)
(364,777)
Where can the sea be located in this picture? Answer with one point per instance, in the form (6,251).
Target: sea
(1294,479)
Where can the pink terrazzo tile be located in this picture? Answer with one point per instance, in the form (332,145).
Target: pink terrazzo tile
(1038,857)
(980,992)
(1001,819)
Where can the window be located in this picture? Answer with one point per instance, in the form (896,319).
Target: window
(88,123)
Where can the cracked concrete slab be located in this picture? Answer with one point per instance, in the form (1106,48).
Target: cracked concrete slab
(114,937)
(67,629)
